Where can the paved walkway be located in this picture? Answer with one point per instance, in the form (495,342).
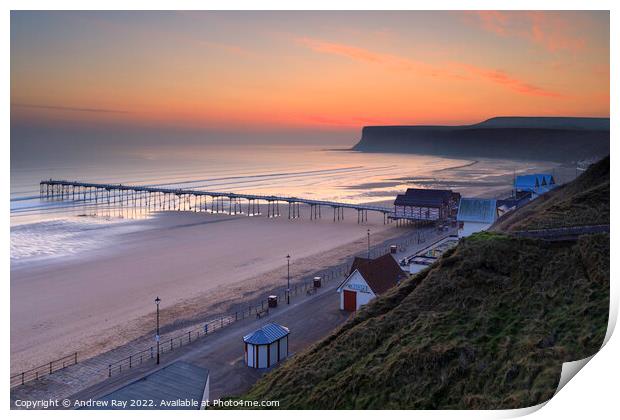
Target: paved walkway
(309,317)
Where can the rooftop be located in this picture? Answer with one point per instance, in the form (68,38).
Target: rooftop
(424,197)
(477,210)
(534,180)
(381,274)
(180,380)
(266,335)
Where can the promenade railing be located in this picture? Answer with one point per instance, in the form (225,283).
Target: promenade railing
(258,308)
(43,370)
(254,310)
(215,323)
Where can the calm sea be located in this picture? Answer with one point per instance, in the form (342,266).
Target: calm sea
(42,229)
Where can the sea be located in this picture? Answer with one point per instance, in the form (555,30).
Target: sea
(43,229)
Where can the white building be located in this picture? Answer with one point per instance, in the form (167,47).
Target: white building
(475,215)
(267,346)
(368,279)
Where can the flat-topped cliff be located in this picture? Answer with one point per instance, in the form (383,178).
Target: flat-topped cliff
(531,138)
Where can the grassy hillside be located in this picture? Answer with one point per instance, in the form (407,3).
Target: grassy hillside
(488,326)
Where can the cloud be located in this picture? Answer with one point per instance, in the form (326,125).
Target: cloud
(451,70)
(72,109)
(501,78)
(348,51)
(553,32)
(549,30)
(390,61)
(493,21)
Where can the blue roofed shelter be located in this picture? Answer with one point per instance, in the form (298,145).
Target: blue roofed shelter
(475,215)
(266,346)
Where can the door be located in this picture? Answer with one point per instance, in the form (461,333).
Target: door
(350,300)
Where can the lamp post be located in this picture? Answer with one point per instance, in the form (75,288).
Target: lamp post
(157,300)
(368,233)
(288,279)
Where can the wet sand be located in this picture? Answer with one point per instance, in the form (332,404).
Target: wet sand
(195,263)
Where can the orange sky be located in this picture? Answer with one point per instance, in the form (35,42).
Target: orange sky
(270,71)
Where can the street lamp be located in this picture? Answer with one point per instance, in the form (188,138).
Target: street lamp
(157,300)
(368,232)
(288,279)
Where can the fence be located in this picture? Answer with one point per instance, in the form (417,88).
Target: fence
(562,232)
(43,370)
(169,344)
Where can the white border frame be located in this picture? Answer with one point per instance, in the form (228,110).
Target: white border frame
(592,394)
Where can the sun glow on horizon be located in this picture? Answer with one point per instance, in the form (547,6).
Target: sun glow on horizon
(335,71)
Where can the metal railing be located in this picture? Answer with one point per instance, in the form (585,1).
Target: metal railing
(43,370)
(168,344)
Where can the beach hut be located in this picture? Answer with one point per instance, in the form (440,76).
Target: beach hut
(266,346)
(475,215)
(367,279)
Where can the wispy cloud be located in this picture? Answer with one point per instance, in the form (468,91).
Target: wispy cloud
(390,61)
(546,29)
(451,70)
(492,21)
(72,109)
(502,78)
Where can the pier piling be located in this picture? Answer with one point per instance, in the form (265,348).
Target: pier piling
(128,199)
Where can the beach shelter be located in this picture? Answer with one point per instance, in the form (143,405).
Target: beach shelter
(266,346)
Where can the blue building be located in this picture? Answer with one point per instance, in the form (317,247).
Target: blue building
(535,184)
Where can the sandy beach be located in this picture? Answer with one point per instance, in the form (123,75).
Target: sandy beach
(196,263)
(100,294)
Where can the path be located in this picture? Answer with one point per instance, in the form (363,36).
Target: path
(310,317)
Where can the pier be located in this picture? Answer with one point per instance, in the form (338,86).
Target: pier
(160,199)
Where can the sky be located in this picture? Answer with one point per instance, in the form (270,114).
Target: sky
(298,76)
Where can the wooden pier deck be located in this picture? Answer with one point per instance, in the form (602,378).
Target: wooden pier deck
(158,198)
